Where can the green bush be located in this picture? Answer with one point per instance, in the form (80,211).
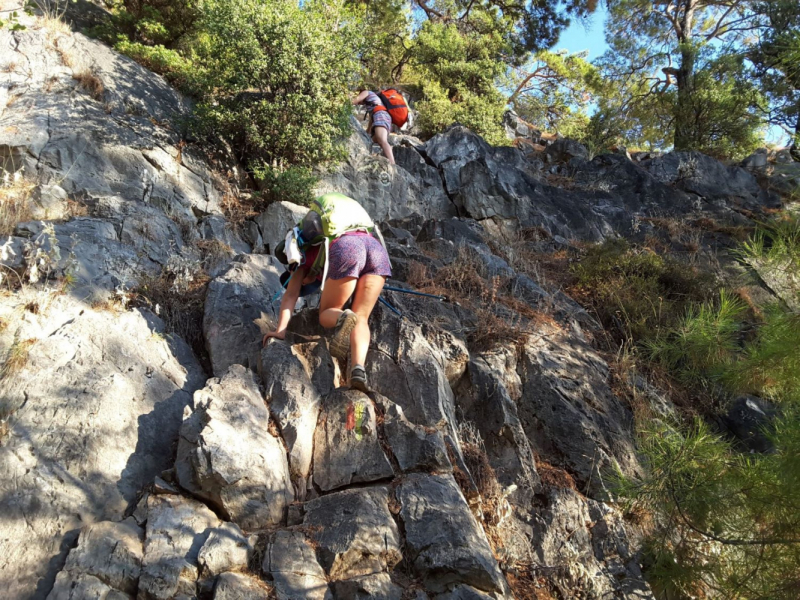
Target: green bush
(636,293)
(294,184)
(703,343)
(726,523)
(277,77)
(178,70)
(155,22)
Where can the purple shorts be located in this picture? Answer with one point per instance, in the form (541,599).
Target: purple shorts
(381,118)
(357,254)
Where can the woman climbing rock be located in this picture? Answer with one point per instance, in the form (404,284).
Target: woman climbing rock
(333,247)
(385,108)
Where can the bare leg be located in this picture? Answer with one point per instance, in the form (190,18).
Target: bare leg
(381,136)
(335,295)
(368,290)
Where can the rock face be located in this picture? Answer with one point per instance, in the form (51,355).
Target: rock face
(291,564)
(386,191)
(445,543)
(354,532)
(570,414)
(95,411)
(227,456)
(107,561)
(106,145)
(343,495)
(234,301)
(346,445)
(294,400)
(176,530)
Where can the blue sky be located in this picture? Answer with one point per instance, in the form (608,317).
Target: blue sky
(589,36)
(585,36)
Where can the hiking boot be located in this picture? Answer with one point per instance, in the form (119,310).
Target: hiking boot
(358,379)
(340,343)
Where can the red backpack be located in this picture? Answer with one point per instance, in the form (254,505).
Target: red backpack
(394,102)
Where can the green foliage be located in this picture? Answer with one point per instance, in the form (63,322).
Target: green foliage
(553,90)
(776,243)
(637,293)
(458,72)
(154,22)
(676,76)
(178,70)
(294,184)
(769,366)
(277,78)
(727,523)
(703,342)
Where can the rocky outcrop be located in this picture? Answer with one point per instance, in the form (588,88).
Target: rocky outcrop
(445,544)
(227,456)
(234,301)
(346,445)
(290,563)
(96,410)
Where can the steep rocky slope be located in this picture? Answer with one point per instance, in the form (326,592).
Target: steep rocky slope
(472,471)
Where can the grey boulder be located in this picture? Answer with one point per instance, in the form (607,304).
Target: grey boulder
(227,456)
(291,565)
(354,532)
(108,555)
(346,445)
(234,301)
(445,544)
(176,531)
(238,586)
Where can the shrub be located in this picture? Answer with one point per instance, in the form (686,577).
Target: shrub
(175,68)
(294,184)
(636,293)
(727,522)
(277,78)
(703,343)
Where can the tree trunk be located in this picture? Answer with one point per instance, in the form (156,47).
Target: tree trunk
(794,149)
(685,130)
(685,134)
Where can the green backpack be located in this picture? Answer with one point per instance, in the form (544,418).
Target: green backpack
(335,214)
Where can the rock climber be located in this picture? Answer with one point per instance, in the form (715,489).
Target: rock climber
(385,107)
(337,251)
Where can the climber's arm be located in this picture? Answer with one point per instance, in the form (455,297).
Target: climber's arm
(287,304)
(361,97)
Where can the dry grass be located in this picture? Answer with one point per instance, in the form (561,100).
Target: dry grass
(14,203)
(17,358)
(499,317)
(526,585)
(91,83)
(554,477)
(214,253)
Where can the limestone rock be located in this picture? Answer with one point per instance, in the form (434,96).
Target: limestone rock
(177,528)
(234,301)
(49,203)
(237,586)
(108,554)
(565,149)
(290,562)
(226,549)
(95,414)
(371,587)
(386,191)
(12,252)
(354,532)
(445,543)
(227,456)
(589,544)
(107,146)
(294,403)
(84,586)
(570,414)
(346,445)
(277,220)
(415,448)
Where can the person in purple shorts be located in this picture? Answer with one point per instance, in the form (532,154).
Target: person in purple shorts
(380,121)
(358,266)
